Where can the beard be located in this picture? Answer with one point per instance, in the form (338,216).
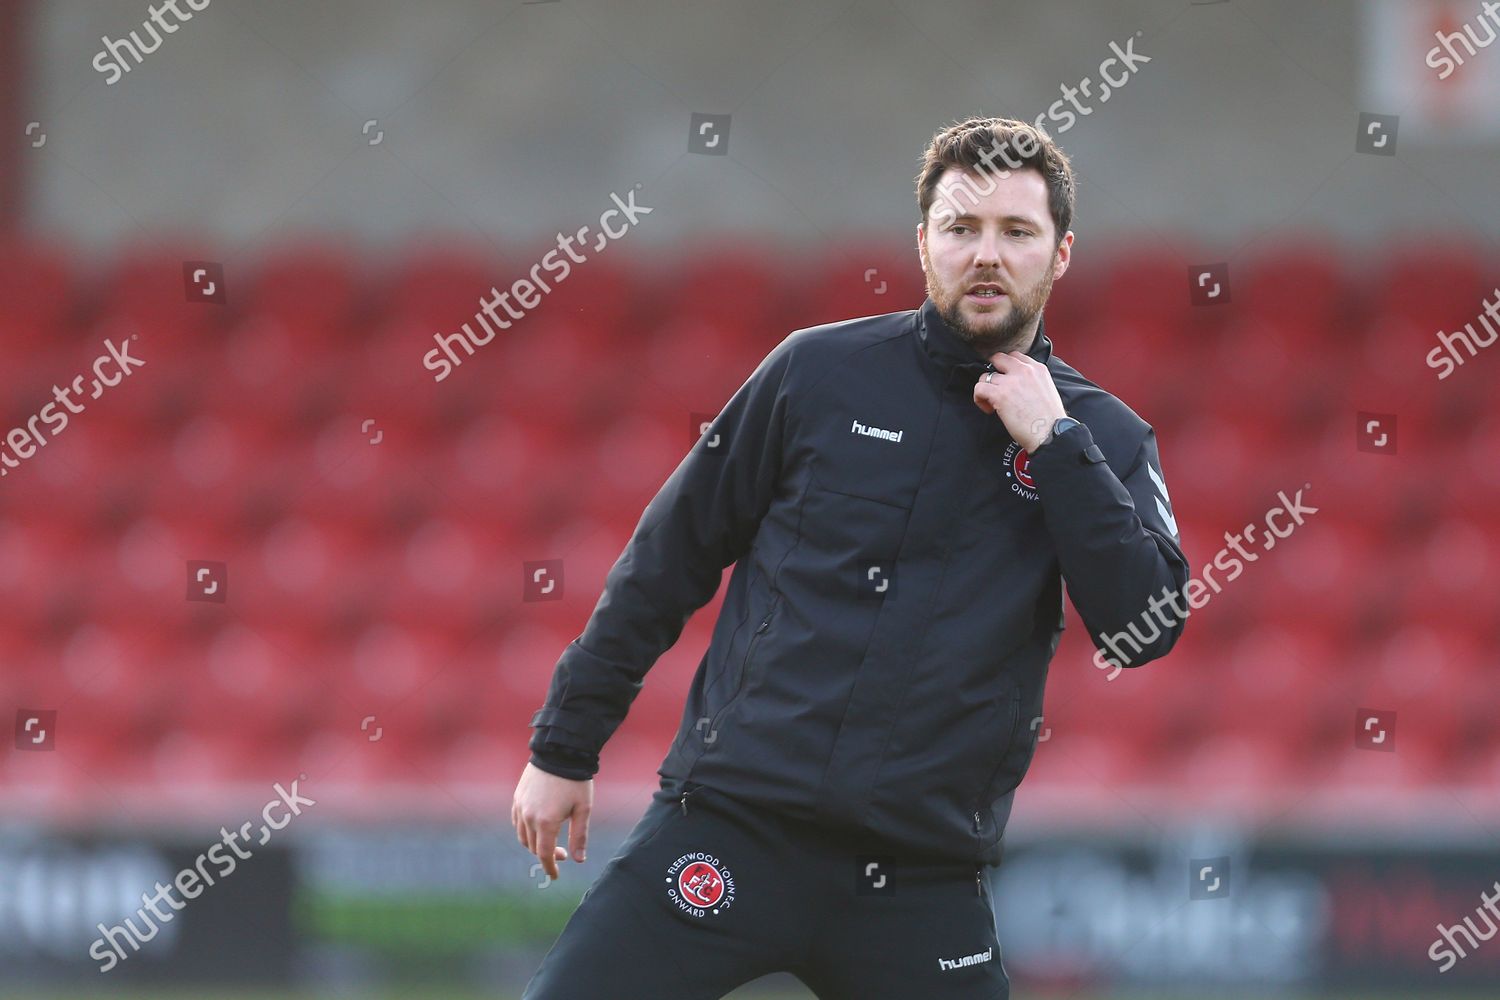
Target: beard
(1012,331)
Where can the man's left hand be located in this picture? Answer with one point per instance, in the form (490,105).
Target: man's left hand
(1022,395)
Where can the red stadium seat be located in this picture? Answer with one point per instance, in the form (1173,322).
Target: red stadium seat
(599,295)
(1149,291)
(441,286)
(1298,288)
(724,287)
(865,277)
(1431,284)
(1319,574)
(310,289)
(36,297)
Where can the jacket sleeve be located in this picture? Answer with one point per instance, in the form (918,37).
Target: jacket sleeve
(1117,545)
(702,519)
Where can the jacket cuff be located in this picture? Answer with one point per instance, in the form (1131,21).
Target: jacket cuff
(1074,478)
(1074,446)
(564,763)
(571,730)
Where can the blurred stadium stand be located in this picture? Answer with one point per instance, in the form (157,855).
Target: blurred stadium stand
(384,579)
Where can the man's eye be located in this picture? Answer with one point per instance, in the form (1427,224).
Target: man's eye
(1019,232)
(956,229)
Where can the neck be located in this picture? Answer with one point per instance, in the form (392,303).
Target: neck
(988,347)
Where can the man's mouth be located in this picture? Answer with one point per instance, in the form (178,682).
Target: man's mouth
(985,293)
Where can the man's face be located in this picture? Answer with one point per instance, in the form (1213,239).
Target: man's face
(1004,239)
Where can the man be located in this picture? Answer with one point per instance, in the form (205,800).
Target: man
(905,496)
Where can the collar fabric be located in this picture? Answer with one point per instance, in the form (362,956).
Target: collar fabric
(951,354)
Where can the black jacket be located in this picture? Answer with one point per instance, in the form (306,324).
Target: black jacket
(883,644)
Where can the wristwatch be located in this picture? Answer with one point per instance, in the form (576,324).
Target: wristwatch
(1060,426)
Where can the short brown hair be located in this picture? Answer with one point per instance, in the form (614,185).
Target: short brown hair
(975,145)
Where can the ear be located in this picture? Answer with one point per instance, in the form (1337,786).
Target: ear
(1064,256)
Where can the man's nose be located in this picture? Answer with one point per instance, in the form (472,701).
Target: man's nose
(987,252)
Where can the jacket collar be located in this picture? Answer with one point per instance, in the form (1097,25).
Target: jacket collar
(953,356)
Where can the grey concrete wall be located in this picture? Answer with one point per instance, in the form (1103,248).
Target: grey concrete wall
(514,120)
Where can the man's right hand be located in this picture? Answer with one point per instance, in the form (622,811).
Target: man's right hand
(542,802)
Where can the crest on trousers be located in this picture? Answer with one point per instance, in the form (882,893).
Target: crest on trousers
(1018,471)
(700,885)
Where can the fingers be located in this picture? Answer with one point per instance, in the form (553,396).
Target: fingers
(535,838)
(578,833)
(550,854)
(526,829)
(1011,361)
(515,821)
(545,847)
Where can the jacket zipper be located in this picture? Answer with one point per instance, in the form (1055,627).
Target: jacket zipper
(978,830)
(685,793)
(1009,746)
(978,889)
(745,664)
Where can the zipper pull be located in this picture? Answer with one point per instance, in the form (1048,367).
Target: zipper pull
(978,885)
(766,622)
(976,822)
(683,801)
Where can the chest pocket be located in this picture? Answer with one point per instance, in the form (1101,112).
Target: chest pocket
(878,463)
(856,509)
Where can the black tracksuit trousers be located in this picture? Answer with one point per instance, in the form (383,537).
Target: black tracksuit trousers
(709,892)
